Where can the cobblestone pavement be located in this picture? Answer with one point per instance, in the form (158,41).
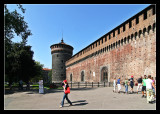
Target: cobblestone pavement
(101,98)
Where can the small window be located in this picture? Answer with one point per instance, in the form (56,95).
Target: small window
(105,38)
(153,11)
(109,36)
(123,28)
(118,30)
(145,15)
(137,20)
(130,24)
(113,33)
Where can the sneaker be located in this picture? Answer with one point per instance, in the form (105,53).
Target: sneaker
(60,106)
(70,105)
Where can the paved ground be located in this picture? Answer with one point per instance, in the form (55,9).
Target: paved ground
(83,99)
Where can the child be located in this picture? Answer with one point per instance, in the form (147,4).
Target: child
(126,85)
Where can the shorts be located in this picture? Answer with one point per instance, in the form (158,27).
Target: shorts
(143,88)
(131,85)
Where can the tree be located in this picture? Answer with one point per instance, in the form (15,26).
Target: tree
(37,72)
(14,23)
(17,55)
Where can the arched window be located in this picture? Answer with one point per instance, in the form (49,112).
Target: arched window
(119,42)
(82,76)
(144,30)
(113,45)
(131,36)
(154,26)
(122,42)
(125,40)
(149,28)
(140,32)
(135,35)
(116,44)
(128,39)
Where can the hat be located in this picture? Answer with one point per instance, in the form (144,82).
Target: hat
(131,76)
(65,81)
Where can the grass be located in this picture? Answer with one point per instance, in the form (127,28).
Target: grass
(36,86)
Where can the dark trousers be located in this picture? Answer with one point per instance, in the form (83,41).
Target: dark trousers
(65,96)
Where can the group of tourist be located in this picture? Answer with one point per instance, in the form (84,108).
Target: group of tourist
(146,85)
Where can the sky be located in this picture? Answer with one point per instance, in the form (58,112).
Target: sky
(80,24)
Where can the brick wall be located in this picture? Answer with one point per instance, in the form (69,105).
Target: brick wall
(130,52)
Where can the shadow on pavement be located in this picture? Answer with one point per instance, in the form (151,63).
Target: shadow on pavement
(78,103)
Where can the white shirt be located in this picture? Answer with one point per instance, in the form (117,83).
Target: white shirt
(149,84)
(114,82)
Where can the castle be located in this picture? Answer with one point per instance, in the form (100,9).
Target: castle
(129,49)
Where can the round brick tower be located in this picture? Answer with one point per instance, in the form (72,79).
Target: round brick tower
(61,52)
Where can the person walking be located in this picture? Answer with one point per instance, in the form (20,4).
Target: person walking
(126,85)
(139,84)
(144,86)
(21,85)
(153,87)
(131,84)
(66,92)
(114,85)
(149,85)
(119,84)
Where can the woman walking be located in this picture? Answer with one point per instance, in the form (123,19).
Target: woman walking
(66,92)
(119,84)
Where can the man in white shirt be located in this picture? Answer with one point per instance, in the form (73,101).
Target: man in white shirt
(149,84)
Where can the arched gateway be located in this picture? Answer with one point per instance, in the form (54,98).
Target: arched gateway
(104,74)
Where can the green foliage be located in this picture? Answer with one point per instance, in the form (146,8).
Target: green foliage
(19,63)
(14,23)
(37,72)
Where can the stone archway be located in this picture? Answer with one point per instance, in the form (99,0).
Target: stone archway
(104,74)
